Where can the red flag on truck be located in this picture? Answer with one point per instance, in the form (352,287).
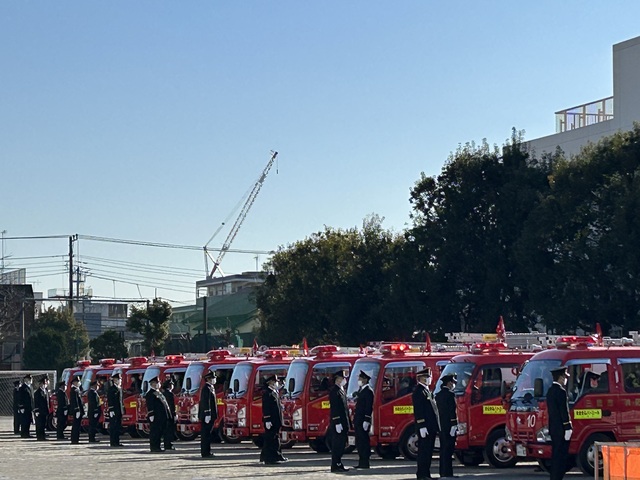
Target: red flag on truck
(427,347)
(501,331)
(255,348)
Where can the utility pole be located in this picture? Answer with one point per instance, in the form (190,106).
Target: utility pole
(204,323)
(2,266)
(71,239)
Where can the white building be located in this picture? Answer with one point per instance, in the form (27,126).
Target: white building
(577,126)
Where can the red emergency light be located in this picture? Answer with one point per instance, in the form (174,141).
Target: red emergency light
(487,347)
(218,354)
(576,341)
(394,348)
(173,359)
(137,361)
(83,363)
(274,353)
(324,351)
(107,362)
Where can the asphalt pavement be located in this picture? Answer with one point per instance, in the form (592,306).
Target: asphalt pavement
(29,459)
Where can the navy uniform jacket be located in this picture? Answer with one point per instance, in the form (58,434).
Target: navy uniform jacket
(157,406)
(171,401)
(208,406)
(41,401)
(558,407)
(63,402)
(26,398)
(446,402)
(76,401)
(271,409)
(93,402)
(364,405)
(114,399)
(425,412)
(338,407)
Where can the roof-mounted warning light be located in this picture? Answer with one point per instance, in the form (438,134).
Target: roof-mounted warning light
(137,361)
(107,362)
(576,341)
(83,363)
(324,351)
(394,348)
(275,353)
(218,354)
(173,359)
(487,347)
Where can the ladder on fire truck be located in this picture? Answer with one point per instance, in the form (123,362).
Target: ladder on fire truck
(239,220)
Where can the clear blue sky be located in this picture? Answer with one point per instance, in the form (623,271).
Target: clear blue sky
(149,120)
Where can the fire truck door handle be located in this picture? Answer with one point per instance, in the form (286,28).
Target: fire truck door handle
(606,413)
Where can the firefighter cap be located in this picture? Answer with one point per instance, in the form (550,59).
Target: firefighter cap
(591,375)
(154,379)
(76,378)
(448,378)
(115,376)
(364,375)
(27,376)
(556,372)
(94,383)
(209,374)
(16,383)
(341,373)
(271,378)
(167,383)
(61,384)
(425,372)
(44,379)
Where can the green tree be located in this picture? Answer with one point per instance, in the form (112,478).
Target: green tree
(152,322)
(109,345)
(56,341)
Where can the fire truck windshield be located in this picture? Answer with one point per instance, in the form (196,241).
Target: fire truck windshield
(241,373)
(192,378)
(462,370)
(523,389)
(297,372)
(370,368)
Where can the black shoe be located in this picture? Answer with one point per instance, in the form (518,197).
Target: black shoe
(208,455)
(94,441)
(26,436)
(169,447)
(156,450)
(75,443)
(363,466)
(62,438)
(283,459)
(339,468)
(117,445)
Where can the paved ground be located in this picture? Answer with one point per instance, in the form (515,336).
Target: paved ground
(28,459)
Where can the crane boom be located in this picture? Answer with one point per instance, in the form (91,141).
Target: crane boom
(243,213)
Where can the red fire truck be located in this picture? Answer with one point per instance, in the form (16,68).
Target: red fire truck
(393,376)
(131,374)
(484,375)
(306,403)
(104,371)
(608,412)
(243,415)
(66,376)
(174,366)
(222,363)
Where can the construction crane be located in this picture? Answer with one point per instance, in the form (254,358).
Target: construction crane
(241,216)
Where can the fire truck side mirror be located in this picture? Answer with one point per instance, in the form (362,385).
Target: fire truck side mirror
(236,385)
(292,385)
(188,385)
(503,389)
(537,388)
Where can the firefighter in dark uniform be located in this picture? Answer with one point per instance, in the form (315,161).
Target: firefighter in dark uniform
(62,410)
(170,433)
(425,413)
(207,413)
(116,410)
(16,407)
(25,406)
(94,410)
(362,419)
(41,410)
(158,414)
(560,428)
(339,420)
(272,421)
(446,405)
(76,408)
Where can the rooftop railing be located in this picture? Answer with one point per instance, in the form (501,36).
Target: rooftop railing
(583,115)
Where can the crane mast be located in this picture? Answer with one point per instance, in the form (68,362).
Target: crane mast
(242,215)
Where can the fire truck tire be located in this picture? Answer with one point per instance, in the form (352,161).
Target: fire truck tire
(230,440)
(143,432)
(52,422)
(409,444)
(187,437)
(388,452)
(470,458)
(498,452)
(586,455)
(319,445)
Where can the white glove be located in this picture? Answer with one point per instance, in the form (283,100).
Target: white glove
(453,431)
(21,410)
(268,425)
(96,415)
(207,419)
(112,414)
(567,435)
(176,419)
(77,414)
(424,432)
(37,414)
(365,425)
(339,428)
(66,412)
(151,418)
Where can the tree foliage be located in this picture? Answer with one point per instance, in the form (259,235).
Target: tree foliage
(57,341)
(152,322)
(109,345)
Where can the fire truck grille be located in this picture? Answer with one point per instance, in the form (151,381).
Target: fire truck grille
(523,437)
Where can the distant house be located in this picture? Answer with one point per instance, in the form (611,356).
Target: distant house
(17,315)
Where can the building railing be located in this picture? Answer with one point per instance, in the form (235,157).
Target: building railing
(583,115)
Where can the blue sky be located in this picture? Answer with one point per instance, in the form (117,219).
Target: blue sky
(150,120)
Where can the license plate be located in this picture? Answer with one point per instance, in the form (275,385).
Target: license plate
(183,428)
(229,431)
(283,436)
(352,441)
(521,451)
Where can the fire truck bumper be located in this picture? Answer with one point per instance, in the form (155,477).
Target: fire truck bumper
(189,427)
(289,435)
(128,421)
(532,450)
(236,432)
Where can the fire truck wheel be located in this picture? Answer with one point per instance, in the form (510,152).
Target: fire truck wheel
(409,444)
(319,445)
(586,455)
(470,458)
(187,436)
(230,439)
(498,452)
(143,432)
(52,422)
(388,452)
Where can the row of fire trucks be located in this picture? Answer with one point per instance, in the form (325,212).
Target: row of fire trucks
(500,395)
